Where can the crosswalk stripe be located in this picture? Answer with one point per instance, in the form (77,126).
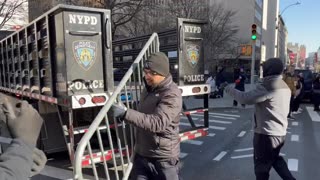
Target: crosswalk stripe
(59,173)
(220,156)
(242,133)
(313,114)
(220,122)
(194,142)
(211,134)
(242,156)
(244,149)
(185,118)
(222,117)
(217,128)
(210,127)
(294,137)
(295,123)
(222,114)
(293,164)
(183,155)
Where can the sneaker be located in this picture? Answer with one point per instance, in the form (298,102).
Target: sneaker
(296,112)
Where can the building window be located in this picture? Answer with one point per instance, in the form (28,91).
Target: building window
(259,2)
(258,15)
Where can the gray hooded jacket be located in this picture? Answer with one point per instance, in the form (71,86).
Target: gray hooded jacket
(271,99)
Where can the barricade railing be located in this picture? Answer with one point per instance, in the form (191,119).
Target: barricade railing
(109,150)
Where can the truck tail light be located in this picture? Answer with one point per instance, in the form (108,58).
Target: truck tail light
(98,99)
(82,101)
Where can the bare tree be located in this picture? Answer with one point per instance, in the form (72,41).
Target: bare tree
(220,32)
(122,11)
(8,8)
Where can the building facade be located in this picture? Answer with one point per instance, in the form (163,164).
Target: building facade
(281,46)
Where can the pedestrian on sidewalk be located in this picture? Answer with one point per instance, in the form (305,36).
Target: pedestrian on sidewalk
(291,81)
(316,93)
(271,99)
(157,141)
(240,85)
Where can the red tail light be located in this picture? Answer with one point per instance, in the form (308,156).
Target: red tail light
(82,101)
(98,99)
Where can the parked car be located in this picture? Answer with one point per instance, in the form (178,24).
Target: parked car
(308,79)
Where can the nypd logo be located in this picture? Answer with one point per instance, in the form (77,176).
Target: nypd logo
(84,53)
(193,55)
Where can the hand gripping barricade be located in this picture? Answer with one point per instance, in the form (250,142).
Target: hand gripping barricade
(121,154)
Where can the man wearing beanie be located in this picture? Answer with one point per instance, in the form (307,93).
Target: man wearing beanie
(271,99)
(157,142)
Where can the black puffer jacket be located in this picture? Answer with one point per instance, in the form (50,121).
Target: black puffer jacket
(157,122)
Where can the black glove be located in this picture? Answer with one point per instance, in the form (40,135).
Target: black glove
(118,110)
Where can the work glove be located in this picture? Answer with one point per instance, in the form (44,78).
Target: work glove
(118,110)
(39,161)
(23,121)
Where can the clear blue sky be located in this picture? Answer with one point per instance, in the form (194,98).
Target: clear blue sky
(303,22)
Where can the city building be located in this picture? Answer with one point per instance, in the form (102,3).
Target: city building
(281,47)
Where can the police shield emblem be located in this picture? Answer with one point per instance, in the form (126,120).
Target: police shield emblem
(193,55)
(85,53)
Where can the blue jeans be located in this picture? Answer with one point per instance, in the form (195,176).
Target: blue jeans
(154,169)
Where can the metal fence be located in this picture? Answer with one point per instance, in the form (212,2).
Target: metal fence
(114,153)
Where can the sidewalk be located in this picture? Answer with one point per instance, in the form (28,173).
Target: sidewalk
(225,102)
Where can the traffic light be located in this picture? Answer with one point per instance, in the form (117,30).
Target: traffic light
(254,32)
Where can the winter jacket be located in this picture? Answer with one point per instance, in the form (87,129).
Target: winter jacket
(240,82)
(16,161)
(271,99)
(291,81)
(157,121)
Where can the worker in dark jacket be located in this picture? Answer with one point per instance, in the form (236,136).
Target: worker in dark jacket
(157,141)
(271,99)
(240,84)
(20,160)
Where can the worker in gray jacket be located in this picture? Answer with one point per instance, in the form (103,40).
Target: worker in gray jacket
(20,160)
(157,144)
(271,99)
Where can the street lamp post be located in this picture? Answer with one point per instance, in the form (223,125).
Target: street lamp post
(278,25)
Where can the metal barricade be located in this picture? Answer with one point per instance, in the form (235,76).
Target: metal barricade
(119,139)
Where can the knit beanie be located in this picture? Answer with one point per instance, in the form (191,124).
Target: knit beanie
(272,66)
(159,63)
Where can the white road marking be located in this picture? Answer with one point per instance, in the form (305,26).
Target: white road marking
(210,127)
(211,134)
(242,156)
(293,164)
(220,156)
(183,155)
(217,128)
(186,118)
(60,173)
(288,132)
(244,149)
(194,142)
(222,114)
(294,137)
(313,114)
(221,122)
(295,123)
(222,117)
(242,133)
